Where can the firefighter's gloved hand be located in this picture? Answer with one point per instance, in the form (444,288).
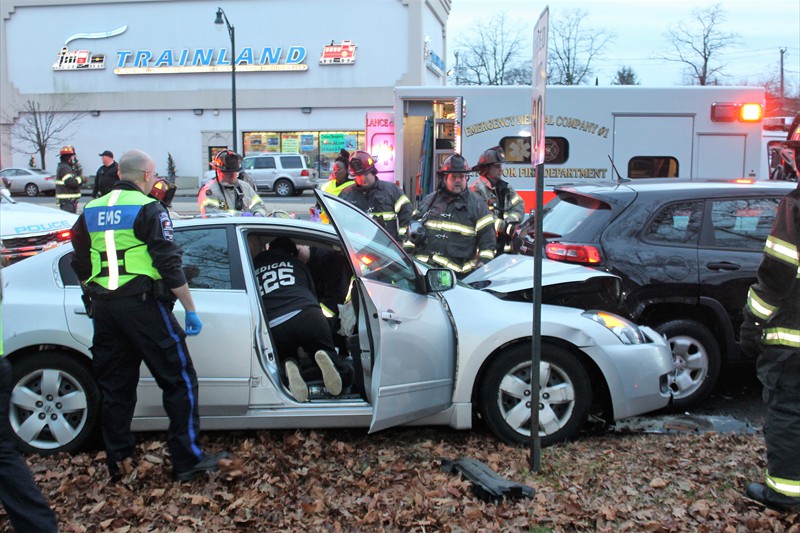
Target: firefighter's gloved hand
(416,233)
(193,324)
(246,214)
(750,335)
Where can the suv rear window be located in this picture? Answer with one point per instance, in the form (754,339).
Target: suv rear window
(743,224)
(677,223)
(291,161)
(575,217)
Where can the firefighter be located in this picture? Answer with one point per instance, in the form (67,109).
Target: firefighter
(771,332)
(68,182)
(453,227)
(128,262)
(385,202)
(226,193)
(504,203)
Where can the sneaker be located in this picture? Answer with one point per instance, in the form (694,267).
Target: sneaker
(772,499)
(330,375)
(209,463)
(297,384)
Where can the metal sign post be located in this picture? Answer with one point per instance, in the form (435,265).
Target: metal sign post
(537,159)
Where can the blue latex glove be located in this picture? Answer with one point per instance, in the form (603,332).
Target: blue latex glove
(193,324)
(246,214)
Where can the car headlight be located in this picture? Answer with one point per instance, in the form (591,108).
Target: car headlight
(626,331)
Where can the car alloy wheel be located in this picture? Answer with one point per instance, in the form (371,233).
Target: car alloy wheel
(54,403)
(564,397)
(31,189)
(284,188)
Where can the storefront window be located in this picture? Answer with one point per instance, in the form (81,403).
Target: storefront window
(321,147)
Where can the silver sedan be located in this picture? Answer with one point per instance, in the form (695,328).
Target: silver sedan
(29,181)
(427,350)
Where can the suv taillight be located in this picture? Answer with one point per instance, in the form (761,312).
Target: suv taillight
(304,173)
(572,253)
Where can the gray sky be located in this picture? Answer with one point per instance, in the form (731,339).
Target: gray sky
(764,27)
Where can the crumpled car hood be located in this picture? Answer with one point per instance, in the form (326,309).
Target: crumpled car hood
(508,273)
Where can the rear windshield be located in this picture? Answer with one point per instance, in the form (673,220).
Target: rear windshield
(575,217)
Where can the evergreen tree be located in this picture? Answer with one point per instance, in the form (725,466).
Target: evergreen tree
(170,168)
(626,76)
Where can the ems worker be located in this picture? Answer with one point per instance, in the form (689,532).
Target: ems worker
(340,177)
(453,227)
(226,193)
(771,331)
(25,506)
(383,201)
(130,266)
(504,203)
(68,182)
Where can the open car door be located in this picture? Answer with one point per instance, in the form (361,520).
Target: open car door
(411,336)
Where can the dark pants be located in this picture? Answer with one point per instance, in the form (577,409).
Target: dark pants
(24,503)
(309,329)
(128,331)
(779,373)
(68,204)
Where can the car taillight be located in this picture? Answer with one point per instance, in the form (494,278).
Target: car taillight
(572,253)
(304,173)
(64,235)
(50,178)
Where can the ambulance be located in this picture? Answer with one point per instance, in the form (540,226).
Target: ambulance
(591,133)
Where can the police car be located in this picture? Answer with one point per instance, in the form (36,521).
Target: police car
(427,350)
(27,229)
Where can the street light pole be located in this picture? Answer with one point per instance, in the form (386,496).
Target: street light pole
(222,17)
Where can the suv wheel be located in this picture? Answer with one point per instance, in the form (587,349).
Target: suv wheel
(284,187)
(697,360)
(565,395)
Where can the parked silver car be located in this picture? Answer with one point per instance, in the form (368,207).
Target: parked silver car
(426,350)
(29,181)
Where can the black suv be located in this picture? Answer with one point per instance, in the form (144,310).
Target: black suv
(687,252)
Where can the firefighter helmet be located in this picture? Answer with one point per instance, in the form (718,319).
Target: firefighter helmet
(67,150)
(455,164)
(492,156)
(362,163)
(227,161)
(163,191)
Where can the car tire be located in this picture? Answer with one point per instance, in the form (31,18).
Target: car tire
(506,384)
(31,189)
(697,360)
(284,188)
(55,403)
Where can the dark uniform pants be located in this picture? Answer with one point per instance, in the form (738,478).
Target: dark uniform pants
(779,373)
(25,506)
(128,331)
(68,204)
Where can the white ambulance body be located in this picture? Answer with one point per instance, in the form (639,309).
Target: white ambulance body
(681,132)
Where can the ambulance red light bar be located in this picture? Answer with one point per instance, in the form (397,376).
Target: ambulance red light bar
(732,112)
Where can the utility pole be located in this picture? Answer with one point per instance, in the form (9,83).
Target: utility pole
(783,51)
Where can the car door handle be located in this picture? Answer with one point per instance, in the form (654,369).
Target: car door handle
(723,265)
(388,316)
(80,310)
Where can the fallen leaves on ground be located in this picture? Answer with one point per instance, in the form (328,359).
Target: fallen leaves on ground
(345,480)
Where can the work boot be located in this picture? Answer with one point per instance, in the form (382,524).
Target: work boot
(297,385)
(772,499)
(330,374)
(209,463)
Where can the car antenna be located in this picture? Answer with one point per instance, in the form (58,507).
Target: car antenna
(620,179)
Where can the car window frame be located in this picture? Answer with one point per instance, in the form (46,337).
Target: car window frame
(708,232)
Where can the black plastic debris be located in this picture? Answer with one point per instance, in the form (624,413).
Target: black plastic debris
(487,484)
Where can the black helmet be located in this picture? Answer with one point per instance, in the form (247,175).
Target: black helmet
(227,161)
(455,164)
(491,156)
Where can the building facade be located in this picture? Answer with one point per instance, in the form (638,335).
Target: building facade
(156,75)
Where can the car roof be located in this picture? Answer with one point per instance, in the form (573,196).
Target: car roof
(683,189)
(253,222)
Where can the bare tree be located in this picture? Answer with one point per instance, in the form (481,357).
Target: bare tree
(572,49)
(625,76)
(698,43)
(495,53)
(39,128)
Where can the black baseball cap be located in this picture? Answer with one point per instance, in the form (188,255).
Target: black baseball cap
(109,153)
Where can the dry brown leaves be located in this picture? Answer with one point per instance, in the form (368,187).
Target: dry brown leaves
(347,481)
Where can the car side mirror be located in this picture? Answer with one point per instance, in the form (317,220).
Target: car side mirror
(439,279)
